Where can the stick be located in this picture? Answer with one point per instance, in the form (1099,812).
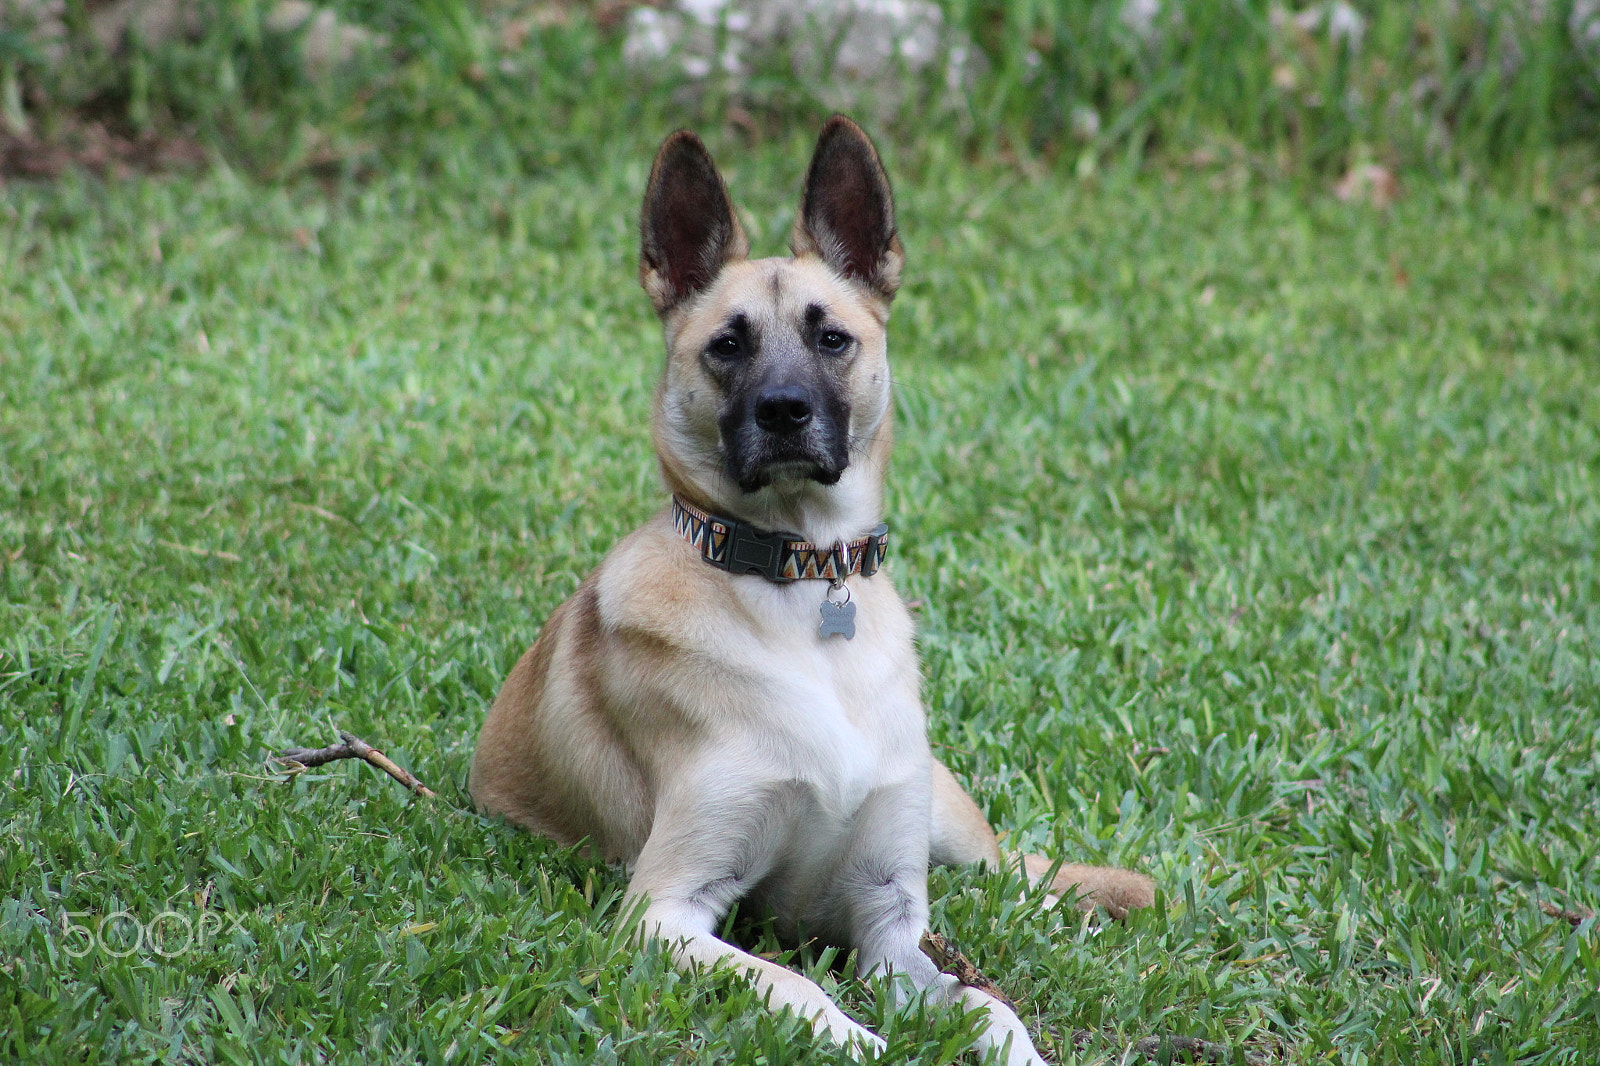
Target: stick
(1165,1048)
(1573,916)
(1185,1049)
(1175,1049)
(949,958)
(297,759)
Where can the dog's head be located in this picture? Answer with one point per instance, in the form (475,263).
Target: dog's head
(774,404)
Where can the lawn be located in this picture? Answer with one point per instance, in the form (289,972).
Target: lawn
(1253,533)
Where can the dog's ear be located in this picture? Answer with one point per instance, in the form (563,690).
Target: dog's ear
(847,211)
(688,229)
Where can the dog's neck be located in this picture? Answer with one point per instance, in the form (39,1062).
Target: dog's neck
(821,514)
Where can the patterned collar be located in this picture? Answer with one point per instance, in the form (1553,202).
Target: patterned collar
(741,548)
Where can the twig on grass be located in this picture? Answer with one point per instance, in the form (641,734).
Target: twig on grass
(1188,1049)
(1164,1048)
(949,958)
(321,512)
(1142,757)
(352,747)
(1572,915)
(209,553)
(1177,1049)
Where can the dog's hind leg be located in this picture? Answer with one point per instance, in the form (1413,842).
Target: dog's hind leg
(960,833)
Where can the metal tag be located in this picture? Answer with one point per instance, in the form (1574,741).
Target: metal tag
(838,618)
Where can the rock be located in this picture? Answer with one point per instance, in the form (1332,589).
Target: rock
(1370,183)
(852,54)
(325,41)
(1344,23)
(1583,23)
(40,24)
(152,23)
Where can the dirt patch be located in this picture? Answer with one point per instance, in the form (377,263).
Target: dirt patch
(92,146)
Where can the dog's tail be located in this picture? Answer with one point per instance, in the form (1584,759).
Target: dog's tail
(1117,890)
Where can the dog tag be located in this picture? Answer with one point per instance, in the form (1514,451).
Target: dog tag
(838,618)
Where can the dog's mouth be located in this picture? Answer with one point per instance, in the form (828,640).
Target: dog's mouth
(787,470)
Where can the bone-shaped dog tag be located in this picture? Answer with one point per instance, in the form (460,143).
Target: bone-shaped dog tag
(838,618)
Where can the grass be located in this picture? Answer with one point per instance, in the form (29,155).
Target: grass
(1293,88)
(1256,535)
(1488,90)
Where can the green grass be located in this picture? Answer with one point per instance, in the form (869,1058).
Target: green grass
(1430,83)
(1486,89)
(1255,535)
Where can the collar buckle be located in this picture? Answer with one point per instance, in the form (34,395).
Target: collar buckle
(757,551)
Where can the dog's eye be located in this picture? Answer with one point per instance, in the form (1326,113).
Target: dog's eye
(726,346)
(834,341)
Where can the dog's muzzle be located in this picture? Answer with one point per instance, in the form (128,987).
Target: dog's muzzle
(786,432)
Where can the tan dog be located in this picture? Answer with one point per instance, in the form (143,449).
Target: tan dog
(735,712)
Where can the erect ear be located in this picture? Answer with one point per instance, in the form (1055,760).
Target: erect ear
(847,211)
(688,229)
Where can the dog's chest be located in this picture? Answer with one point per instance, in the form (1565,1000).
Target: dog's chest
(840,716)
(841,738)
(871,676)
(732,694)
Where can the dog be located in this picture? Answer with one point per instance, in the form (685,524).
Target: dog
(730,704)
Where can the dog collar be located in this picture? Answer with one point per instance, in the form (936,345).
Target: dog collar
(741,548)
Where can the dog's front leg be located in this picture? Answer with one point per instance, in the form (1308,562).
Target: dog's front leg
(706,850)
(885,885)
(912,973)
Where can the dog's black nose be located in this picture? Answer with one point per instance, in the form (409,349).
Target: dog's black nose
(784,409)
